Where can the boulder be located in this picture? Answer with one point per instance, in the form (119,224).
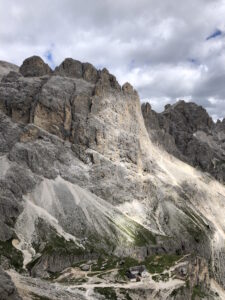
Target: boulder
(85,268)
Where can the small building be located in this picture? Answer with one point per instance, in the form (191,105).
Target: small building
(134,273)
(131,276)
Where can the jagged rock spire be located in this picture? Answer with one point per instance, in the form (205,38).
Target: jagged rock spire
(34,66)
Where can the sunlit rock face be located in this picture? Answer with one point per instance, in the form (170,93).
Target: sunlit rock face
(83,169)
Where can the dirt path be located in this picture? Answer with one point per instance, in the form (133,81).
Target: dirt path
(144,284)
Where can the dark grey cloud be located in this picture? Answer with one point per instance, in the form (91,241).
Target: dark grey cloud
(167,49)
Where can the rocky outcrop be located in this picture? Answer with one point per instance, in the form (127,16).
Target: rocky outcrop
(186,131)
(8,290)
(59,103)
(34,67)
(19,96)
(70,68)
(6,67)
(75,69)
(89,73)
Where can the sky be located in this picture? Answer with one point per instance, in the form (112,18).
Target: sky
(167,49)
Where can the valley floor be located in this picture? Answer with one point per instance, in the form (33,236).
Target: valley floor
(74,283)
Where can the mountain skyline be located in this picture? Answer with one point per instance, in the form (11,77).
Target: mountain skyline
(167,51)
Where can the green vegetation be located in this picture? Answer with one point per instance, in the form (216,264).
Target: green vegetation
(197,291)
(107,292)
(74,280)
(220,163)
(177,291)
(82,289)
(194,217)
(128,262)
(102,275)
(124,292)
(138,233)
(37,297)
(187,283)
(159,263)
(165,276)
(32,263)
(105,263)
(196,232)
(161,277)
(100,244)
(59,245)
(156,278)
(14,256)
(143,236)
(92,274)
(155,264)
(53,275)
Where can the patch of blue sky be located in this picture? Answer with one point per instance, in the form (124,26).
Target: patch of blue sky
(132,64)
(193,61)
(215,34)
(49,56)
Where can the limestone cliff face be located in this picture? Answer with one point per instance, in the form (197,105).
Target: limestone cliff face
(34,67)
(7,288)
(81,170)
(6,67)
(186,131)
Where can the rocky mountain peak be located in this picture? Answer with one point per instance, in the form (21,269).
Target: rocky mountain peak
(220,125)
(128,88)
(63,101)
(186,130)
(194,116)
(70,68)
(34,66)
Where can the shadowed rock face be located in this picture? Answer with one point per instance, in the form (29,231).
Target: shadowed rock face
(186,131)
(7,288)
(70,68)
(75,69)
(34,67)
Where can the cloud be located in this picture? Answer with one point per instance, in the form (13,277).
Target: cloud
(166,49)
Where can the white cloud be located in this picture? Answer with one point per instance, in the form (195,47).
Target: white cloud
(159,46)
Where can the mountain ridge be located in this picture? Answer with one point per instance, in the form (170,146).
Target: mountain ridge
(80,162)
(187,131)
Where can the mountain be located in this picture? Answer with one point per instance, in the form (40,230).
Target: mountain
(186,131)
(92,183)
